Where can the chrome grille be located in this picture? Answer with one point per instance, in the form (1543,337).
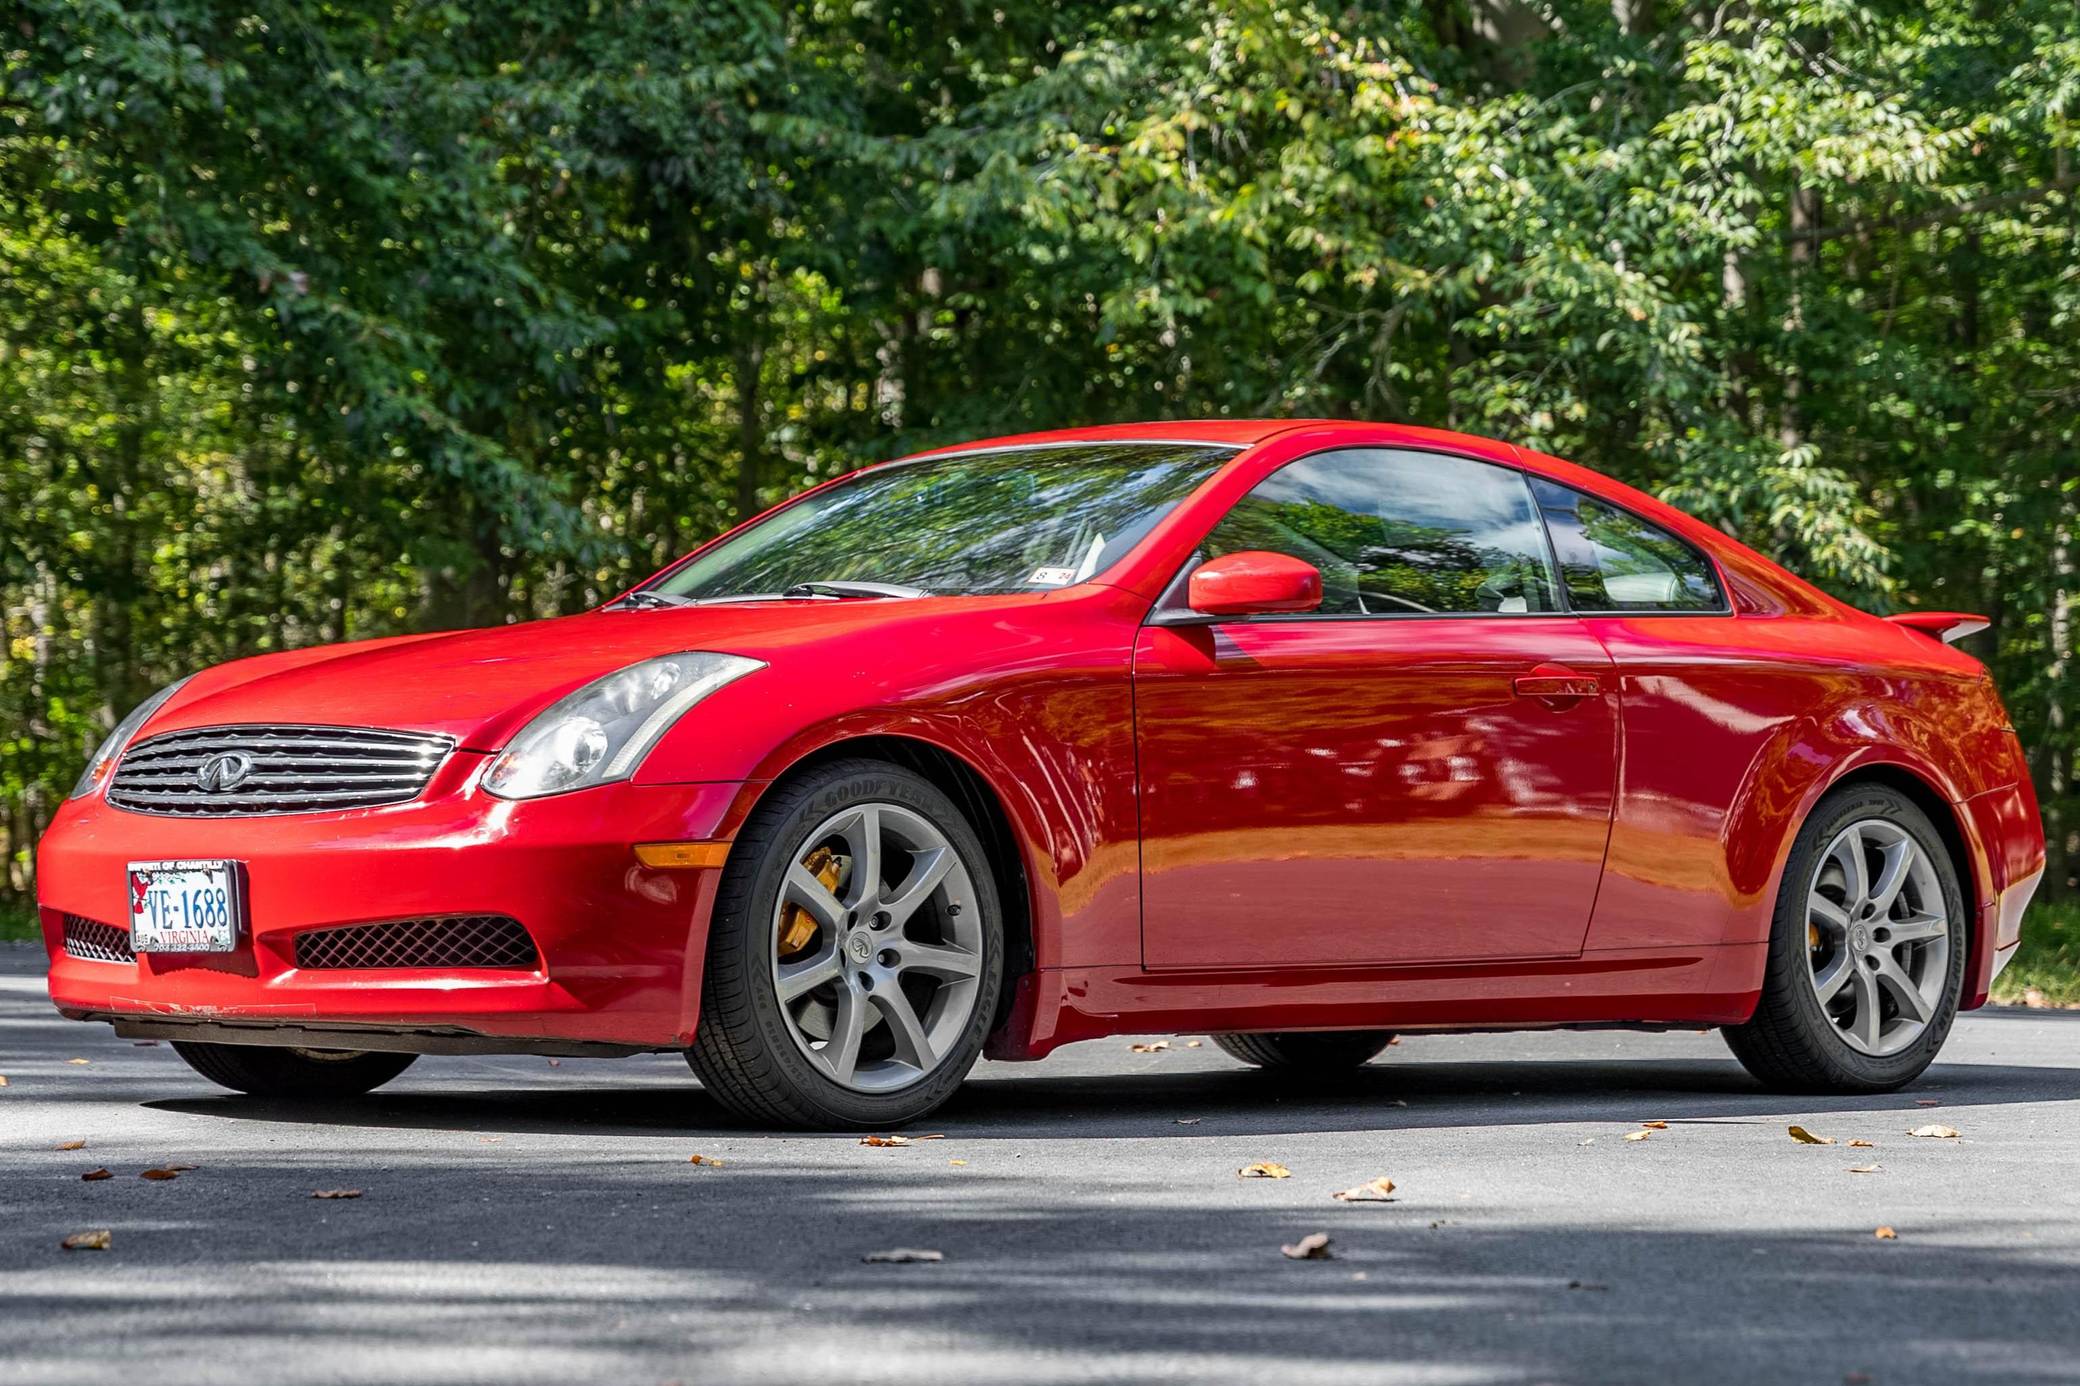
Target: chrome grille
(459,940)
(95,941)
(290,770)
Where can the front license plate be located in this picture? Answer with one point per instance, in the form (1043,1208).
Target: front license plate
(185,906)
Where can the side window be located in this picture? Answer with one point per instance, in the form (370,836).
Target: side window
(1400,533)
(1612,560)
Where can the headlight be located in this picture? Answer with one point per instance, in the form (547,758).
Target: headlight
(112,745)
(602,731)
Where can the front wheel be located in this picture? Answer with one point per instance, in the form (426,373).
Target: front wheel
(855,956)
(1306,1049)
(1866,953)
(266,1071)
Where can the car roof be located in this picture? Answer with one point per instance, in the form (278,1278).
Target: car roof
(1238,433)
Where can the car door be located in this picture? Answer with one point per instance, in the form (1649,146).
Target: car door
(1422,770)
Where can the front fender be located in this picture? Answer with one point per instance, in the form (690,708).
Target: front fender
(1043,714)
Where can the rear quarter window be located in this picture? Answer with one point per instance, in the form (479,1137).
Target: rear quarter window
(1612,560)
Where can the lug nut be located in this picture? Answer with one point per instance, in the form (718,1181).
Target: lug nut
(887,957)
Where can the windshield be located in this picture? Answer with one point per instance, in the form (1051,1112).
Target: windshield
(1021,520)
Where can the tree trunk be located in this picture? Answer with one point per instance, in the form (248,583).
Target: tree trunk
(2055,751)
(1804,217)
(751,442)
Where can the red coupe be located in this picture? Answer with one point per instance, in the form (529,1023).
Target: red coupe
(1295,733)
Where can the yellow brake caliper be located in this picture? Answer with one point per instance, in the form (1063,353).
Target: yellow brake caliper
(797,925)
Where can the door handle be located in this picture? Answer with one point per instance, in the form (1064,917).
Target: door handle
(1555,685)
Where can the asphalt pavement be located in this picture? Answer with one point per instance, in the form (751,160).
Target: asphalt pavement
(523,1221)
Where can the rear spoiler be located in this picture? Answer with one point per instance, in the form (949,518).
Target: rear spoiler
(1947,626)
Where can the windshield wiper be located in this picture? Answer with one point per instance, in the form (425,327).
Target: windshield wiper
(853,589)
(646,599)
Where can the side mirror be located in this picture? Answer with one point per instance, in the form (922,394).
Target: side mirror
(1254,583)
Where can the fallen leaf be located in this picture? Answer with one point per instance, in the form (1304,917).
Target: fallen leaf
(1637,1135)
(1865,1169)
(1189,1121)
(93,1176)
(1928,1101)
(2033,997)
(79,1061)
(1193,1044)
(3,1080)
(935,1136)
(1312,1247)
(884,1140)
(97,1240)
(1149,1048)
(1655,1125)
(1371,1191)
(901,1255)
(71,1145)
(163,1173)
(556,1063)
(1394,1041)
(1861,1145)
(1264,1169)
(1886,1234)
(956,1162)
(703,1160)
(1805,1137)
(336,1193)
(1939,1133)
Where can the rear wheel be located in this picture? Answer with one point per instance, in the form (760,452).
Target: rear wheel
(1306,1049)
(1867,951)
(855,956)
(267,1071)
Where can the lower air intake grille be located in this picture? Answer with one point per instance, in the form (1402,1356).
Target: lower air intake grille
(456,940)
(97,942)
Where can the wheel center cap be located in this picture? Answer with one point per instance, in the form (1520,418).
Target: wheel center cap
(1859,938)
(860,947)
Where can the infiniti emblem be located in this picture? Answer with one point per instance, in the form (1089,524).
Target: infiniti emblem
(226,770)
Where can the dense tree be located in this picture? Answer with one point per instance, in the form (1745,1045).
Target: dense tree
(328,320)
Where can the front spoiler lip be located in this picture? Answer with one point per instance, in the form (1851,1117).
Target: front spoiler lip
(396,1039)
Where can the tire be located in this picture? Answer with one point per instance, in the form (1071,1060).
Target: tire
(1306,1049)
(765,1060)
(1797,1043)
(271,1071)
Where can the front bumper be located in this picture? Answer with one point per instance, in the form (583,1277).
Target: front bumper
(619,944)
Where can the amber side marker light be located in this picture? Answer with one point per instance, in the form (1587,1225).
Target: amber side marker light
(682,856)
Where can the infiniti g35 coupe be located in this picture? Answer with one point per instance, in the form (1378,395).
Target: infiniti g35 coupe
(1299,734)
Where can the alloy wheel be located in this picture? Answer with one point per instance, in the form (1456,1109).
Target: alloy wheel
(876,947)
(1877,936)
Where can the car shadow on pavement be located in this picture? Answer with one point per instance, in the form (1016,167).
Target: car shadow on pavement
(575,1268)
(1388,1096)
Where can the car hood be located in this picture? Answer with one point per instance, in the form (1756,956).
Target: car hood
(481,686)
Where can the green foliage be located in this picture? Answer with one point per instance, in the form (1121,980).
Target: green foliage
(328,320)
(17,922)
(2049,960)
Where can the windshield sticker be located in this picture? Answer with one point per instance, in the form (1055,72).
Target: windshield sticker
(1051,577)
